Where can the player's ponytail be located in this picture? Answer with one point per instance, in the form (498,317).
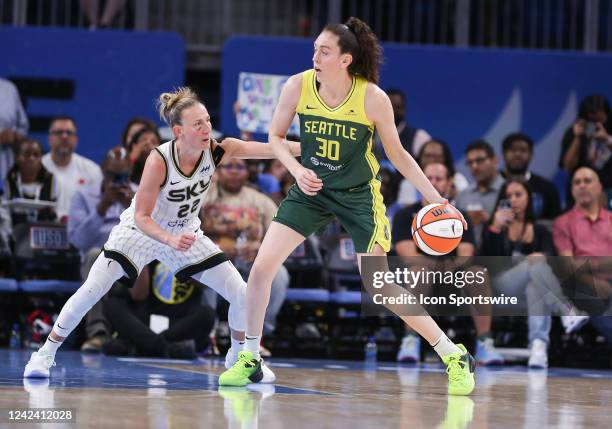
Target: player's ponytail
(356,38)
(172,104)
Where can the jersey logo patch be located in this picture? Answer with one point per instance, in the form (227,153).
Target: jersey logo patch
(174,183)
(310,108)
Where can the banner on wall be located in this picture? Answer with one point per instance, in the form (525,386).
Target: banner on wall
(257,97)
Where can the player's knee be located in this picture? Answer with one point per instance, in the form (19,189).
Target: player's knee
(260,276)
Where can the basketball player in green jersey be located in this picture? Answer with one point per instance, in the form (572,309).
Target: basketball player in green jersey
(339,105)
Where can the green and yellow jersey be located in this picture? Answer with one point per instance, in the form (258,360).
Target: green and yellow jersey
(336,143)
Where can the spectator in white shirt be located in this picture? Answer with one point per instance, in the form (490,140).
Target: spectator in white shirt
(72,170)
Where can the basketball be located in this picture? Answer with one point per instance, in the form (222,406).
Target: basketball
(437,230)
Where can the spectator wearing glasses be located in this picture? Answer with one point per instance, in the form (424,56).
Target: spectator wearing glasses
(236,217)
(479,199)
(72,170)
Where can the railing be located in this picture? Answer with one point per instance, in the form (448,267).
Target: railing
(205,24)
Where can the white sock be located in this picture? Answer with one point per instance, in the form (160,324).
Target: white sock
(50,347)
(444,346)
(252,345)
(237,345)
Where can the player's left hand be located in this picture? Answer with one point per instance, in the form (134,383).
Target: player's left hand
(456,210)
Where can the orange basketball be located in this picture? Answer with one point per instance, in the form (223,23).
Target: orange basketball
(437,229)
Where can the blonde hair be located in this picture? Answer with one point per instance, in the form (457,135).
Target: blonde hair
(171,104)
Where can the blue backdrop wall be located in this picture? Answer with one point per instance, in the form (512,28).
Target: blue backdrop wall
(100,78)
(455,94)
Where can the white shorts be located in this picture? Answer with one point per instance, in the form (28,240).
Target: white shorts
(133,249)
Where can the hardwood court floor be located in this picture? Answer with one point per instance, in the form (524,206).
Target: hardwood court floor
(141,393)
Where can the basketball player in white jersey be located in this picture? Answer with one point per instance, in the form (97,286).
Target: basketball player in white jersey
(163,223)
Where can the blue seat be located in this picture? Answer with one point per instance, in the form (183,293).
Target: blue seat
(8,285)
(346,297)
(311,295)
(49,286)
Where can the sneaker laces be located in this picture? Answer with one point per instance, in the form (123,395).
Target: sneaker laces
(243,362)
(455,368)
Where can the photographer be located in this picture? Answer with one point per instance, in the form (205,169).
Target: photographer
(588,142)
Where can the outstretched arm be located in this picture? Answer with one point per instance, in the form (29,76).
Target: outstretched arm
(379,110)
(236,148)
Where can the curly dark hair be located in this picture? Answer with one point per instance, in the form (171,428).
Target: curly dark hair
(357,39)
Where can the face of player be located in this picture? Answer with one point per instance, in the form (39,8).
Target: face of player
(63,137)
(586,187)
(327,59)
(233,175)
(518,197)
(517,157)
(437,174)
(29,159)
(195,127)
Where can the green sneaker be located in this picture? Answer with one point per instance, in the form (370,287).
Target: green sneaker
(460,368)
(246,370)
(459,413)
(242,403)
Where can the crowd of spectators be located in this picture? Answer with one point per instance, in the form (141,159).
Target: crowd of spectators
(512,211)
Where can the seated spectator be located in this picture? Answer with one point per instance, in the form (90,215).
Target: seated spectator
(518,151)
(389,186)
(588,142)
(139,147)
(412,138)
(478,200)
(95,210)
(72,170)
(586,231)
(433,151)
(13,124)
(439,176)
(29,179)
(513,233)
(236,217)
(135,124)
(129,313)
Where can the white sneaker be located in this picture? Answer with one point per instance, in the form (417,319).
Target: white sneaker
(538,358)
(268,375)
(573,323)
(38,366)
(230,358)
(410,349)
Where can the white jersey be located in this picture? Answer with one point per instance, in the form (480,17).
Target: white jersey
(182,194)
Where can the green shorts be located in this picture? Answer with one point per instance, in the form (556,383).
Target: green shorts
(360,210)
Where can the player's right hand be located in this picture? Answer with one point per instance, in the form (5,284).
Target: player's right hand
(308,181)
(181,242)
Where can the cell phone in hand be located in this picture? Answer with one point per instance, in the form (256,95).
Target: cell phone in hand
(590,129)
(504,204)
